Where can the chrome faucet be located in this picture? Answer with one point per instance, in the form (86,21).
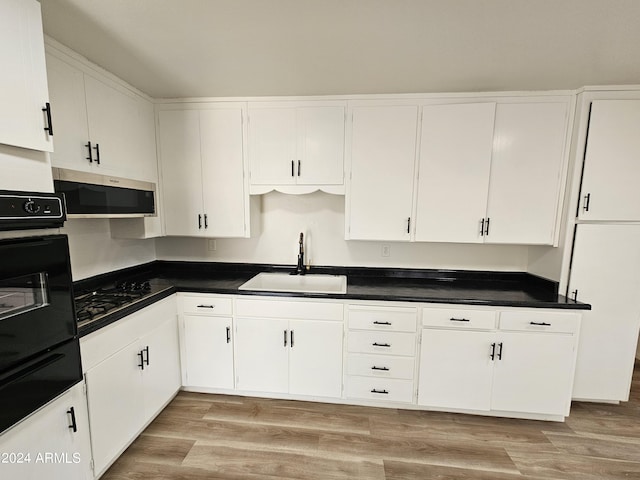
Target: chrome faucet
(300,267)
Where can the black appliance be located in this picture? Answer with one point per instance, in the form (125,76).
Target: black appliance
(90,195)
(23,210)
(39,348)
(95,304)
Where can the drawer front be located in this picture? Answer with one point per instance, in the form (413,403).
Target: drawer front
(381,389)
(389,343)
(398,319)
(459,318)
(286,309)
(540,321)
(380,366)
(207,305)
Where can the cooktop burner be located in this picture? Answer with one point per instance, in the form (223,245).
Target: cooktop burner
(91,305)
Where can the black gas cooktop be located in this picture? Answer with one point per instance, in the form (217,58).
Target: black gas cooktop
(95,304)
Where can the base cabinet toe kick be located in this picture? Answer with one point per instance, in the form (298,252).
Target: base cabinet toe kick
(499,361)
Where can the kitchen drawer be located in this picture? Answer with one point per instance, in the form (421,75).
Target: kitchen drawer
(390,343)
(459,318)
(285,309)
(398,319)
(540,321)
(381,366)
(208,305)
(385,389)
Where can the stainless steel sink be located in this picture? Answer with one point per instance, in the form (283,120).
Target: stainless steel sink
(283,282)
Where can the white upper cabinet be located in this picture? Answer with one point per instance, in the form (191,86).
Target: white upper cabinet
(610,179)
(527,169)
(24,96)
(382,155)
(101,125)
(296,148)
(454,168)
(202,163)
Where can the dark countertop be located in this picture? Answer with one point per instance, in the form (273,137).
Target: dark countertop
(507,289)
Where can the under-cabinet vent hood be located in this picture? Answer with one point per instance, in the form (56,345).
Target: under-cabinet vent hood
(90,195)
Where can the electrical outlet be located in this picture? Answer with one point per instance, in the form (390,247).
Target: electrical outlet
(211,245)
(386,251)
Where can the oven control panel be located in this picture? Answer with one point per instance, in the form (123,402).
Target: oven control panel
(31,210)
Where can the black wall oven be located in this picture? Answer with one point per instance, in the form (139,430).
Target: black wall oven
(39,348)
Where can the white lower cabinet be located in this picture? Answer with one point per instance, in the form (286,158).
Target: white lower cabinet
(289,347)
(132,369)
(46,444)
(523,364)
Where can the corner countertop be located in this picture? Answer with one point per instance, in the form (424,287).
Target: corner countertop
(507,289)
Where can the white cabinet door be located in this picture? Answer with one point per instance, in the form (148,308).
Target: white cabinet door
(161,374)
(223,172)
(116,405)
(181,171)
(23,83)
(611,175)
(48,432)
(456,369)
(383,152)
(455,161)
(315,358)
(272,145)
(534,373)
(208,348)
(66,87)
(605,271)
(526,172)
(262,355)
(320,145)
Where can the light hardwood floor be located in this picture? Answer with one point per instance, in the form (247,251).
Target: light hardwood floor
(201,436)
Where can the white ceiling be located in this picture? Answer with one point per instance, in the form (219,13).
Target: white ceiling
(182,48)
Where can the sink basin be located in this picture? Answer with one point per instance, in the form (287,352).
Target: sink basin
(283,282)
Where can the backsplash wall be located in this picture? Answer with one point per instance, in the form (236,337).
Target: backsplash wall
(320,217)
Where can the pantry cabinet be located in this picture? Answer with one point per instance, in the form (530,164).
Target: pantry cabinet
(25,118)
(610,179)
(298,145)
(202,167)
(52,443)
(381,175)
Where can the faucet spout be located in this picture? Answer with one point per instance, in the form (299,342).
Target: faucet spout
(300,267)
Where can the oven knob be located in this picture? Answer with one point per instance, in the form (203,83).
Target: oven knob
(31,207)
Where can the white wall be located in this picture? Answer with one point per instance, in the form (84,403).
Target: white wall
(93,251)
(320,217)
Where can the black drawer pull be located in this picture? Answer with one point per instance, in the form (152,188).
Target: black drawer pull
(146,349)
(542,324)
(493,351)
(97,149)
(381,323)
(386,345)
(90,157)
(384,369)
(453,319)
(228,334)
(587,199)
(141,355)
(74,425)
(500,351)
(384,392)
(206,306)
(49,127)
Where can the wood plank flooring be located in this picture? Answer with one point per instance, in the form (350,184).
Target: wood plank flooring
(201,436)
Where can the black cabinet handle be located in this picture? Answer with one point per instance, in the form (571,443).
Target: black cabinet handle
(482,227)
(206,221)
(453,319)
(292,167)
(146,349)
(206,306)
(228,334)
(493,351)
(74,425)
(542,324)
(90,157)
(291,338)
(97,149)
(141,355)
(486,230)
(376,322)
(500,351)
(384,392)
(384,369)
(386,345)
(575,295)
(199,221)
(587,199)
(49,126)
(285,338)
(299,164)
(409,225)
